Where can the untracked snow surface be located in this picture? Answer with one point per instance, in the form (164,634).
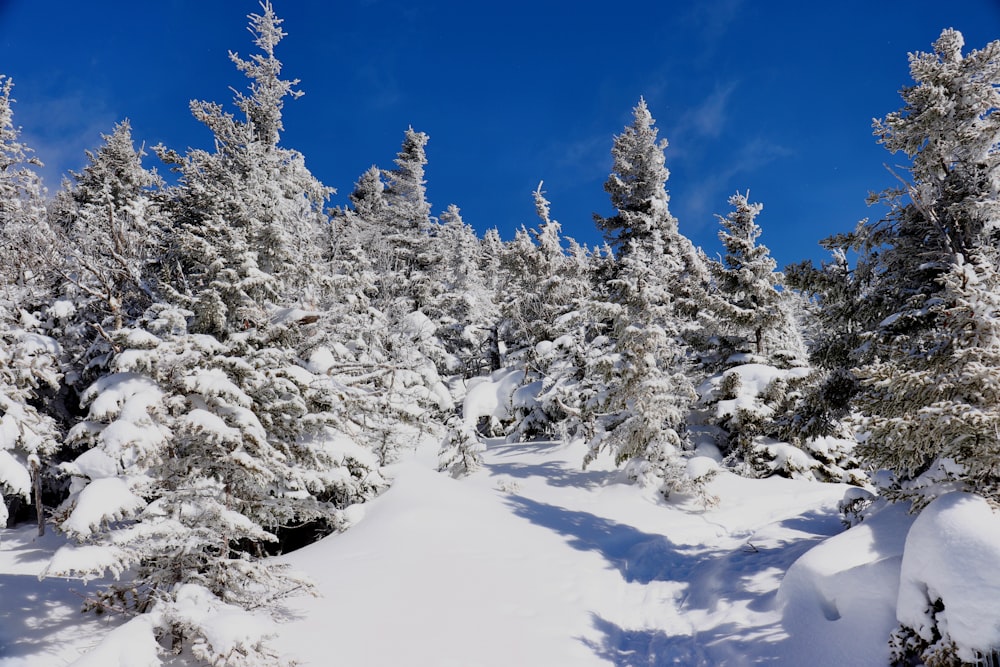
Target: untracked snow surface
(533,561)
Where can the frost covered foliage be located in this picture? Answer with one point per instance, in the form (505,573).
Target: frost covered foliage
(29,437)
(200,452)
(461,450)
(750,311)
(27,243)
(649,290)
(933,418)
(547,288)
(111,224)
(748,405)
(246,217)
(928,391)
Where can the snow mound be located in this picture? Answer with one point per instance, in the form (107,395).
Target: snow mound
(492,397)
(838,600)
(951,557)
(132,644)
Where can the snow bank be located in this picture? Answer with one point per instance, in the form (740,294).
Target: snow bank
(838,600)
(132,644)
(952,554)
(492,396)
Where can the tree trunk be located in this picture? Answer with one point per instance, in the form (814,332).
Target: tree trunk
(36,483)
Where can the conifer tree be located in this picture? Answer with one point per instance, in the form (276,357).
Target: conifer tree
(247,217)
(748,298)
(925,381)
(934,418)
(30,369)
(25,236)
(467,312)
(650,287)
(110,227)
(214,428)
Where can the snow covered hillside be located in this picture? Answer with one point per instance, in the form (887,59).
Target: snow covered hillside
(532,561)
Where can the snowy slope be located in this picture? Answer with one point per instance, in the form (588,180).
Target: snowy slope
(40,621)
(532,561)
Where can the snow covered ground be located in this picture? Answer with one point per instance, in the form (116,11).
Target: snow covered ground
(533,561)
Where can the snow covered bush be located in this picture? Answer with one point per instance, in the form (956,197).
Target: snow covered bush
(948,590)
(461,450)
(750,403)
(29,437)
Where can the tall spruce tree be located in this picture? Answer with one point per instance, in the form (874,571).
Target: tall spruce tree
(209,437)
(649,288)
(30,372)
(925,378)
(248,216)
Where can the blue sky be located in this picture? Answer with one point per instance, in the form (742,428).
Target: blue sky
(775,97)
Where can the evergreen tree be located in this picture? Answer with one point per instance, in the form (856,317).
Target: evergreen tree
(748,297)
(467,312)
(934,418)
(30,372)
(214,429)
(29,436)
(651,289)
(26,241)
(248,216)
(928,262)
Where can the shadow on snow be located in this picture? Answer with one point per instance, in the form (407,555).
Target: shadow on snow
(717,579)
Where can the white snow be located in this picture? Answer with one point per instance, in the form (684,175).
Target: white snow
(533,561)
(227,630)
(203,421)
(491,397)
(93,463)
(952,554)
(104,499)
(14,477)
(132,644)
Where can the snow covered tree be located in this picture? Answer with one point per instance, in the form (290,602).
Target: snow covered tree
(105,213)
(934,418)
(928,260)
(401,227)
(29,436)
(467,312)
(756,363)
(30,372)
(247,217)
(201,454)
(949,205)
(25,237)
(651,288)
(748,299)
(548,284)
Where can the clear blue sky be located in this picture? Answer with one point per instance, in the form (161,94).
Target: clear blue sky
(774,97)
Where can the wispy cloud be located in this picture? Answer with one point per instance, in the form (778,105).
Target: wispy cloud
(378,85)
(704,198)
(61,129)
(711,21)
(709,117)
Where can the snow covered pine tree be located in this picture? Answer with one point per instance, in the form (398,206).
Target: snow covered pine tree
(650,288)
